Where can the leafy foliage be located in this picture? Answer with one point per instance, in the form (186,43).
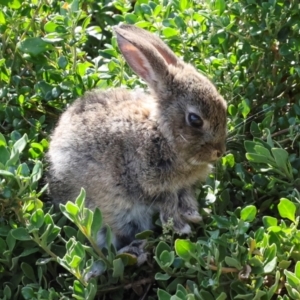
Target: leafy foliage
(248,245)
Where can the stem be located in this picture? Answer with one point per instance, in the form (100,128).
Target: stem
(46,249)
(94,245)
(73,48)
(129,285)
(223,269)
(56,258)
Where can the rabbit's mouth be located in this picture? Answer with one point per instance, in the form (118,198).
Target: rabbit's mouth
(194,161)
(198,160)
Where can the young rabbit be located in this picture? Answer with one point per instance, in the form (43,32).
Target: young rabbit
(137,153)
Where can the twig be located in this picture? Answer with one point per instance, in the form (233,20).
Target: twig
(280,132)
(129,285)
(139,282)
(223,269)
(147,291)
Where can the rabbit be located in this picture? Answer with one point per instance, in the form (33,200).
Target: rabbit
(137,153)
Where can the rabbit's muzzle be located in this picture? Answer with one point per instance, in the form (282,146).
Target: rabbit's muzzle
(218,152)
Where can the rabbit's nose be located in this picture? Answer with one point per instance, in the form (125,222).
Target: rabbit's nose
(219,153)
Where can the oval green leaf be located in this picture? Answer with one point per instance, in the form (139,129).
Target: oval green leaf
(287,209)
(248,213)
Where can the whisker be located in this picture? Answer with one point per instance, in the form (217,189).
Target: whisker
(151,204)
(234,137)
(183,138)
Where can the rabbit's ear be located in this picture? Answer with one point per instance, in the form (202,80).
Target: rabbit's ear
(155,41)
(143,57)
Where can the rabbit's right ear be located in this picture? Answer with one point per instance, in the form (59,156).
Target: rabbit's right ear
(144,58)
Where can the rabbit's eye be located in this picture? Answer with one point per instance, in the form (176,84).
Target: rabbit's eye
(194,120)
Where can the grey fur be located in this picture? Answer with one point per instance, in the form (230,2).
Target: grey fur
(134,152)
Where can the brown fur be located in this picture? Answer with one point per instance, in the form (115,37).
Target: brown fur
(135,153)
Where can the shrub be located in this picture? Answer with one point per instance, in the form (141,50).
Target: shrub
(248,245)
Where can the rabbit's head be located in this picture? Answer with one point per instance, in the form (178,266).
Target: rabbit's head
(191,113)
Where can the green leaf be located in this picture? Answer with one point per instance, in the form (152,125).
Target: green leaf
(162,246)
(292,293)
(23,170)
(37,218)
(62,62)
(37,172)
(167,258)
(75,261)
(269,221)
(2,18)
(78,289)
(34,46)
(180,288)
(183,4)
(272,290)
(270,266)
(281,157)
(255,262)
(163,277)
(297,269)
(127,258)
(28,271)
(72,209)
(287,209)
(4,155)
(270,258)
(7,174)
(163,295)
(14,4)
(263,151)
(248,213)
(19,145)
(109,236)
(118,268)
(185,249)
(256,158)
(2,140)
(144,235)
(169,32)
(292,279)
(86,220)
(222,296)
(243,106)
(70,231)
(250,146)
(206,295)
(27,293)
(7,292)
(82,68)
(91,290)
(96,223)
(232,110)
(220,6)
(232,262)
(80,200)
(254,129)
(21,234)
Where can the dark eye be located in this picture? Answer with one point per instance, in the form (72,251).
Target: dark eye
(195,120)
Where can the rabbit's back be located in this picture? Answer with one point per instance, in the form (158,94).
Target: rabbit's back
(96,136)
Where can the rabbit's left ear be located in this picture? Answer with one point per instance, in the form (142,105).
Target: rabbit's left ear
(144,59)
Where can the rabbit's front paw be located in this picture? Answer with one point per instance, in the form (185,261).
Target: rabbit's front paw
(188,206)
(137,249)
(191,215)
(186,229)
